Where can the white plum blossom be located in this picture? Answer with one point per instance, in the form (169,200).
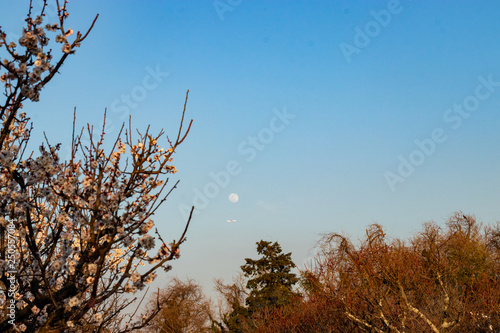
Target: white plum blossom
(135,277)
(98,317)
(150,278)
(147,226)
(92,268)
(147,242)
(73,301)
(127,241)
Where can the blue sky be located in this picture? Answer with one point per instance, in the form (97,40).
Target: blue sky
(355,116)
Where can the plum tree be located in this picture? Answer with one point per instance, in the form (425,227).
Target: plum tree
(74,234)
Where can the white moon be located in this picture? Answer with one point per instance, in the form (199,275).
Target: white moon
(233,197)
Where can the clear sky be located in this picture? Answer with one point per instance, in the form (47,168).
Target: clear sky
(323,116)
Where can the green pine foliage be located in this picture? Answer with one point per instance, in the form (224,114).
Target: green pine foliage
(270,278)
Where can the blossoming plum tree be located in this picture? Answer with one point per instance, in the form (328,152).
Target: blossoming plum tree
(74,234)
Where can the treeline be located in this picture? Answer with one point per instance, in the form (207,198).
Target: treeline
(440,280)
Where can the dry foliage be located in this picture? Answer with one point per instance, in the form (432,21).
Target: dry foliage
(184,308)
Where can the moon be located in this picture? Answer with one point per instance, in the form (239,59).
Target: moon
(233,197)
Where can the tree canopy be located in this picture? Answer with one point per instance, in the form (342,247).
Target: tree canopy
(270,281)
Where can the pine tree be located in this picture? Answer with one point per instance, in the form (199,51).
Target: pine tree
(270,278)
